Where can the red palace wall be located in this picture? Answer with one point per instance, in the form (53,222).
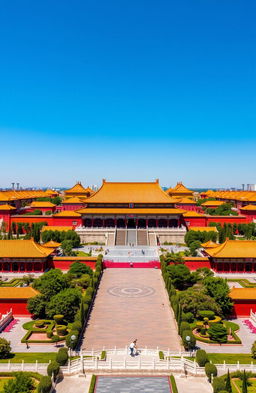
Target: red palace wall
(66,221)
(18,306)
(194,263)
(32,219)
(142,265)
(74,206)
(249,215)
(195,221)
(242,308)
(64,263)
(193,208)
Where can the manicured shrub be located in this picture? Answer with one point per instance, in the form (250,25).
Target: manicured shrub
(92,384)
(53,369)
(210,370)
(215,320)
(201,357)
(49,334)
(218,385)
(218,333)
(187,317)
(5,348)
(77,326)
(62,356)
(89,291)
(206,314)
(173,384)
(188,344)
(72,343)
(184,326)
(203,331)
(61,330)
(39,324)
(45,385)
(161,355)
(58,319)
(253,350)
(87,299)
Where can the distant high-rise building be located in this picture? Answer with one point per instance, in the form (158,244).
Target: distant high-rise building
(251,187)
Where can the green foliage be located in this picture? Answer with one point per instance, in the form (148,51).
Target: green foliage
(201,237)
(187,317)
(22,383)
(181,276)
(67,247)
(5,348)
(253,350)
(103,355)
(161,355)
(184,326)
(66,302)
(51,283)
(244,385)
(61,236)
(70,342)
(61,330)
(92,384)
(222,210)
(62,356)
(45,385)
(218,289)
(210,370)
(77,269)
(206,314)
(228,383)
(194,301)
(58,319)
(218,384)
(201,357)
(36,306)
(53,369)
(188,344)
(173,384)
(217,332)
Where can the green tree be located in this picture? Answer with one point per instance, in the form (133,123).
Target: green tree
(253,350)
(66,302)
(194,301)
(67,248)
(228,383)
(218,289)
(5,348)
(77,269)
(36,305)
(51,283)
(22,383)
(244,385)
(181,276)
(218,332)
(210,371)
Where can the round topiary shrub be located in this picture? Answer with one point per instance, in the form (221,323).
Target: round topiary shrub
(201,357)
(206,314)
(39,324)
(210,370)
(45,385)
(61,330)
(218,384)
(58,319)
(53,369)
(62,356)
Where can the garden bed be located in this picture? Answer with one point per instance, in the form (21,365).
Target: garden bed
(45,334)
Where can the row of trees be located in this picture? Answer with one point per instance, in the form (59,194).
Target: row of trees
(193,239)
(56,200)
(230,230)
(223,210)
(31,230)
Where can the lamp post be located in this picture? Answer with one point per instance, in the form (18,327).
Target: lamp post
(188,338)
(72,340)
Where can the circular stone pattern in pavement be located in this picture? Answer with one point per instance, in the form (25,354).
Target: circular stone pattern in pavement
(131,291)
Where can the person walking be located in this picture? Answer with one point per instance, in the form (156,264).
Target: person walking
(133,347)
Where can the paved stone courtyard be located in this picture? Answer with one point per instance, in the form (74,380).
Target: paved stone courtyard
(130,304)
(132,385)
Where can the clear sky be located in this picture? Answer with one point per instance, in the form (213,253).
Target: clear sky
(128,90)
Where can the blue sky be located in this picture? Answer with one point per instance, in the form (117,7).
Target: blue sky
(128,90)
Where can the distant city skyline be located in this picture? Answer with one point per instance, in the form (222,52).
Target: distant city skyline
(128,92)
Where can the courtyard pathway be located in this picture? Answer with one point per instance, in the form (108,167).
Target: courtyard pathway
(130,304)
(193,385)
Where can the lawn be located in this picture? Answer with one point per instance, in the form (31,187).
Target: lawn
(230,358)
(82,254)
(2,382)
(239,383)
(31,357)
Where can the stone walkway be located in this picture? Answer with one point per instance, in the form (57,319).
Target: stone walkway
(193,385)
(74,384)
(131,303)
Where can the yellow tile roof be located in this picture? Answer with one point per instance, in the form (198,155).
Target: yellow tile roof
(118,192)
(203,229)
(22,249)
(209,244)
(179,189)
(213,203)
(51,244)
(13,195)
(58,228)
(247,207)
(130,211)
(67,213)
(42,204)
(243,293)
(7,207)
(78,188)
(248,196)
(189,213)
(234,249)
(72,200)
(17,292)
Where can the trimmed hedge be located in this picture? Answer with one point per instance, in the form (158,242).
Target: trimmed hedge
(53,369)
(62,356)
(92,384)
(173,384)
(45,385)
(210,370)
(201,357)
(161,355)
